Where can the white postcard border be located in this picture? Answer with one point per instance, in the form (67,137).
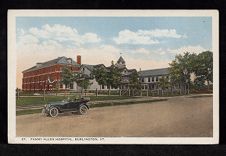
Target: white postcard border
(12,14)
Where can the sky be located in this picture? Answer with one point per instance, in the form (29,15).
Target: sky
(144,42)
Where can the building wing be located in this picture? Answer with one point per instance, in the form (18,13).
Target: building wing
(59,60)
(153,72)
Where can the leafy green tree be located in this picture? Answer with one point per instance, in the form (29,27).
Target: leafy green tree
(82,81)
(199,83)
(181,69)
(204,67)
(67,76)
(100,75)
(56,87)
(164,83)
(114,76)
(134,81)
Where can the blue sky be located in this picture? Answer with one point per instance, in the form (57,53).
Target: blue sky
(144,42)
(196,29)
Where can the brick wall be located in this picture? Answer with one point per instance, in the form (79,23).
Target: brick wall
(38,80)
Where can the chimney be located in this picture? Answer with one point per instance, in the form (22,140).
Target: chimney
(79,59)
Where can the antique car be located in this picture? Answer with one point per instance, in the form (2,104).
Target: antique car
(77,105)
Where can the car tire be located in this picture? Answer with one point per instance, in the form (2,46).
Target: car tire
(53,112)
(83,109)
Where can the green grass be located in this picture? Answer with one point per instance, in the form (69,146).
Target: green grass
(33,111)
(126,103)
(22,101)
(37,100)
(201,96)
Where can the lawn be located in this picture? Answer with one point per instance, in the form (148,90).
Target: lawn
(40,101)
(33,111)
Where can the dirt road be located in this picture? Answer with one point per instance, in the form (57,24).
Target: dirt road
(179,116)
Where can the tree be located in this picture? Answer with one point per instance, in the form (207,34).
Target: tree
(82,81)
(181,69)
(164,83)
(114,77)
(67,76)
(199,83)
(204,68)
(100,75)
(134,81)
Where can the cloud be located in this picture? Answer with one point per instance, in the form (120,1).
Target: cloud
(130,37)
(145,37)
(90,37)
(142,64)
(141,51)
(102,54)
(192,49)
(148,52)
(61,33)
(27,39)
(158,33)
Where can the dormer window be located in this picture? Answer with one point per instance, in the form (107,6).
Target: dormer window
(69,60)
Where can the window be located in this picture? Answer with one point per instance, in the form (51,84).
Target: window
(102,86)
(157,78)
(153,79)
(149,79)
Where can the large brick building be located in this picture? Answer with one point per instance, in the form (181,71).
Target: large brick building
(44,76)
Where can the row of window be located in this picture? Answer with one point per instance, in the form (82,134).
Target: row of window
(153,79)
(42,86)
(53,76)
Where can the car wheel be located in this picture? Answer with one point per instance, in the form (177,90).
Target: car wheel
(83,109)
(53,112)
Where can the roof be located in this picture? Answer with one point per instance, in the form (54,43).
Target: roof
(59,60)
(153,72)
(121,60)
(91,67)
(88,66)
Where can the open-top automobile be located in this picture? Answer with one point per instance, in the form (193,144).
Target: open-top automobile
(77,105)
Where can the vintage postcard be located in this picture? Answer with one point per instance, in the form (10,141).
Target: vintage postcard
(113,76)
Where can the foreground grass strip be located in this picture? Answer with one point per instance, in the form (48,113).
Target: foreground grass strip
(200,96)
(33,111)
(25,101)
(30,111)
(125,103)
